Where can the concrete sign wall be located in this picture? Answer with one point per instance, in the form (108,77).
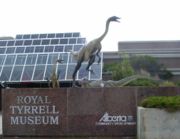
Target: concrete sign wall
(69,112)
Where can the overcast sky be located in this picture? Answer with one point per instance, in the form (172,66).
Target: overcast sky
(140,19)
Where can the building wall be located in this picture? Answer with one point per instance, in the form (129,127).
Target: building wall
(166,52)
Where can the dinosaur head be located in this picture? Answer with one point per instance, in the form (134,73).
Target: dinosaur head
(114,18)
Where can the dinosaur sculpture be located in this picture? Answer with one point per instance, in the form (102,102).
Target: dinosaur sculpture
(119,83)
(54,77)
(91,50)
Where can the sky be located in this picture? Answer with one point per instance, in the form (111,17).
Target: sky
(141,20)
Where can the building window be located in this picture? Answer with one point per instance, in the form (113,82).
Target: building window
(20,49)
(42,58)
(10,50)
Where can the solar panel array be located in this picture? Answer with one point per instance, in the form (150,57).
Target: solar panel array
(30,58)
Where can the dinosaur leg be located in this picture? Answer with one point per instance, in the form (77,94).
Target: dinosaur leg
(57,79)
(75,72)
(53,84)
(57,82)
(91,61)
(98,55)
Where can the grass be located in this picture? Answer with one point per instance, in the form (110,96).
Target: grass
(170,103)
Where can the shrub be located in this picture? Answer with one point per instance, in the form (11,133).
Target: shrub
(119,70)
(170,103)
(178,83)
(143,82)
(167,83)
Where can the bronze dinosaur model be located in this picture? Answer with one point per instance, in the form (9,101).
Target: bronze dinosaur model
(91,50)
(54,77)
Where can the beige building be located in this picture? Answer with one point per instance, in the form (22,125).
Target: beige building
(167,53)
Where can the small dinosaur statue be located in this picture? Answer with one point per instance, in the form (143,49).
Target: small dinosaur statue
(120,83)
(91,50)
(54,77)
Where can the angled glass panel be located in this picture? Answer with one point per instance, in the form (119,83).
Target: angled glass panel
(42,58)
(59,48)
(39,72)
(49,48)
(19,36)
(0,69)
(52,58)
(16,74)
(20,60)
(2,57)
(26,36)
(10,50)
(55,41)
(59,35)
(36,42)
(72,41)
(19,43)
(63,41)
(77,47)
(52,35)
(20,49)
(64,57)
(31,59)
(68,48)
(61,71)
(3,43)
(43,36)
(34,36)
(2,50)
(76,34)
(81,41)
(10,60)
(39,49)
(27,42)
(68,35)
(48,72)
(97,72)
(10,43)
(71,59)
(45,42)
(29,49)
(70,71)
(6,72)
(83,73)
(27,74)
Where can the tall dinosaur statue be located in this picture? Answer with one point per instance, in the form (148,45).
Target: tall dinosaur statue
(91,50)
(54,76)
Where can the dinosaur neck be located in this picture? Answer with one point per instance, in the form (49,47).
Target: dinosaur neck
(54,67)
(105,32)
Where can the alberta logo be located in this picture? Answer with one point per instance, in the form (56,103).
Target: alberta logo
(107,119)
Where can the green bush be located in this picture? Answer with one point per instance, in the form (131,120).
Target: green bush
(170,103)
(178,83)
(167,83)
(143,82)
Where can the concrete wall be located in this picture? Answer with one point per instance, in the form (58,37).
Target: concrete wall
(158,124)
